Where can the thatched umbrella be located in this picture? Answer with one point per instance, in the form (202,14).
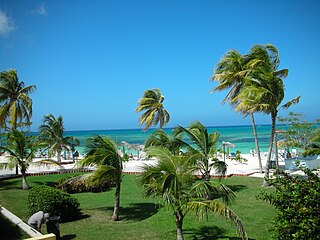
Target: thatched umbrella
(226,145)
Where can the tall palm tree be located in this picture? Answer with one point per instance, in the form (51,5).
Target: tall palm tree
(231,72)
(102,152)
(51,132)
(152,103)
(21,151)
(202,147)
(264,91)
(16,105)
(172,180)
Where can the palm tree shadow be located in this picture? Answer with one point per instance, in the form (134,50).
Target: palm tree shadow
(137,211)
(68,237)
(209,233)
(237,188)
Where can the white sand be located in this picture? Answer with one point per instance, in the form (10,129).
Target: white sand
(251,167)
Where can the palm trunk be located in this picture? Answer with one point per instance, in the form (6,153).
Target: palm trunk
(59,155)
(276,151)
(273,127)
(179,223)
(256,141)
(25,185)
(115,215)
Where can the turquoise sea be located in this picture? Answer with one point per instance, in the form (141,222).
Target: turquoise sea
(241,136)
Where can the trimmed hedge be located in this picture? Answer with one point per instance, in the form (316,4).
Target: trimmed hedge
(53,201)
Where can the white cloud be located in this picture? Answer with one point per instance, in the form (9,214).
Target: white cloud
(41,10)
(6,24)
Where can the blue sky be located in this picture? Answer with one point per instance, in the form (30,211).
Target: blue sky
(92,60)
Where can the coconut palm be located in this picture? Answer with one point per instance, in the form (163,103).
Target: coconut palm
(313,148)
(230,72)
(102,152)
(172,179)
(16,105)
(202,146)
(152,105)
(264,92)
(160,138)
(51,132)
(21,151)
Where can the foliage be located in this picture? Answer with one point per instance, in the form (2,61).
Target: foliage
(53,201)
(21,149)
(51,133)
(102,152)
(201,148)
(297,202)
(16,105)
(313,148)
(172,179)
(154,112)
(297,132)
(83,183)
(239,158)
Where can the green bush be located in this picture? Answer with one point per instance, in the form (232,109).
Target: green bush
(297,200)
(53,201)
(83,183)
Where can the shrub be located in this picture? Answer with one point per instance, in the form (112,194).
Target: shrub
(297,202)
(53,201)
(83,183)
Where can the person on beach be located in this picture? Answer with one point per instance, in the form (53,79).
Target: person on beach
(37,219)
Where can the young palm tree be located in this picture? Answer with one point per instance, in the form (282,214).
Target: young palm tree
(160,138)
(313,148)
(102,152)
(21,151)
(51,133)
(202,147)
(152,103)
(231,72)
(172,180)
(16,105)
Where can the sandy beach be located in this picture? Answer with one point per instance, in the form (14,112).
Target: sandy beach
(250,167)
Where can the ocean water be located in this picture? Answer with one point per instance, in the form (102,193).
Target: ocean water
(241,136)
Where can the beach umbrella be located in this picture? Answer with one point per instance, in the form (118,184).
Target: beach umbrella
(226,145)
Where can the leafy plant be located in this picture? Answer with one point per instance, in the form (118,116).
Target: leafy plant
(53,201)
(297,202)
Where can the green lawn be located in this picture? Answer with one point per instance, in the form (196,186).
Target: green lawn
(143,218)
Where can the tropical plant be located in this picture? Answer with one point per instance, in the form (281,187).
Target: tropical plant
(160,138)
(264,90)
(51,133)
(297,131)
(201,147)
(102,152)
(21,151)
(296,199)
(313,148)
(172,179)
(154,112)
(230,72)
(16,105)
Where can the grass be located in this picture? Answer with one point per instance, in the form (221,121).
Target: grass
(143,218)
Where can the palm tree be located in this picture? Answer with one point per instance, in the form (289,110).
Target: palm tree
(16,105)
(152,103)
(172,180)
(160,138)
(102,152)
(231,72)
(202,147)
(21,151)
(264,90)
(51,133)
(313,148)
